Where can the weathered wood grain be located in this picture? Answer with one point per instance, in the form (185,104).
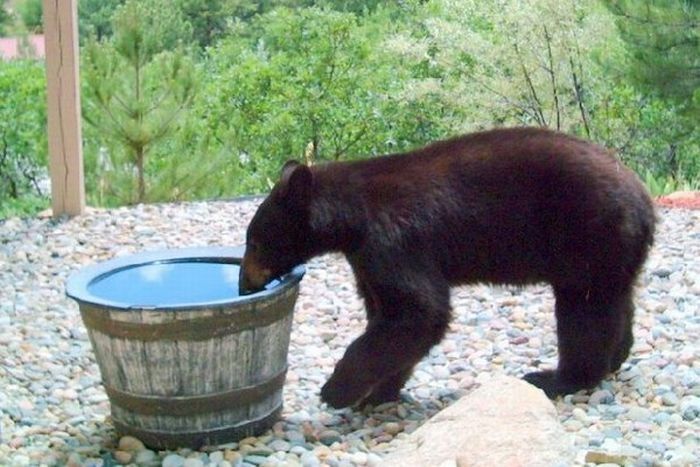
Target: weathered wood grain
(185,388)
(63,110)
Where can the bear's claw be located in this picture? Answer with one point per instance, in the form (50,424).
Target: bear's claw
(552,385)
(339,394)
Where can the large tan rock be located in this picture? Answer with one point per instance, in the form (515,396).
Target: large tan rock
(506,422)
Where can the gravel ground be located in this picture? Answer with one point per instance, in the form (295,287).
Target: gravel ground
(53,410)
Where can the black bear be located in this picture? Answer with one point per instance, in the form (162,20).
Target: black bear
(507,206)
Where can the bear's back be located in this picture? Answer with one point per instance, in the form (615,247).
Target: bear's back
(512,205)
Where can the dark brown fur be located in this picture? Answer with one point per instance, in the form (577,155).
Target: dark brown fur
(513,206)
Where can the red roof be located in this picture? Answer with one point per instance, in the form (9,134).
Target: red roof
(18,47)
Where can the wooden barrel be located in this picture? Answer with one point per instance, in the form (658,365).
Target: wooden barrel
(189,374)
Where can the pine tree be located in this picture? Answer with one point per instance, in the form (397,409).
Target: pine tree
(138,84)
(663,39)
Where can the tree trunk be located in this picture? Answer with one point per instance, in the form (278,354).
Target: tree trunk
(552,77)
(140,158)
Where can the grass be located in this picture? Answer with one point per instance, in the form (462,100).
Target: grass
(663,185)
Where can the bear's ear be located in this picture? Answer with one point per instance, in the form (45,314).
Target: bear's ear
(294,186)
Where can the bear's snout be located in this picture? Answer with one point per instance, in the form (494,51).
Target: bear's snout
(252,276)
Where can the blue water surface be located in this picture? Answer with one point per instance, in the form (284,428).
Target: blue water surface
(173,283)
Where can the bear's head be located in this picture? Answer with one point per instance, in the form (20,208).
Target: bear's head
(277,237)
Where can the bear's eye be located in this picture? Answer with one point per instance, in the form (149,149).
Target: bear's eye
(259,248)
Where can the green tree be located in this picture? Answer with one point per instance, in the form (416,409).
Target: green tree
(358,7)
(327,80)
(137,87)
(23,145)
(30,12)
(5,19)
(662,39)
(642,129)
(549,64)
(95,18)
(210,18)
(303,83)
(500,63)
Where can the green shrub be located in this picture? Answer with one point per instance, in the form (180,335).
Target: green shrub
(23,146)
(31,14)
(24,206)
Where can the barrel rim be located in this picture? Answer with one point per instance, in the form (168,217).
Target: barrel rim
(78,282)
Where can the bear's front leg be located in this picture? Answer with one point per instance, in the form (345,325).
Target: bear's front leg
(389,389)
(409,318)
(384,351)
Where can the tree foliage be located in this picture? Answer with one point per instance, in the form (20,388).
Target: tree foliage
(95,18)
(299,84)
(5,19)
(343,80)
(23,145)
(663,40)
(210,18)
(490,68)
(662,62)
(191,99)
(30,12)
(137,85)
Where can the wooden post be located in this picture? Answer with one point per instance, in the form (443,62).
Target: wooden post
(63,83)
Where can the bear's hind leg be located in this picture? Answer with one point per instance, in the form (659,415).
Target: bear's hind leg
(626,339)
(594,335)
